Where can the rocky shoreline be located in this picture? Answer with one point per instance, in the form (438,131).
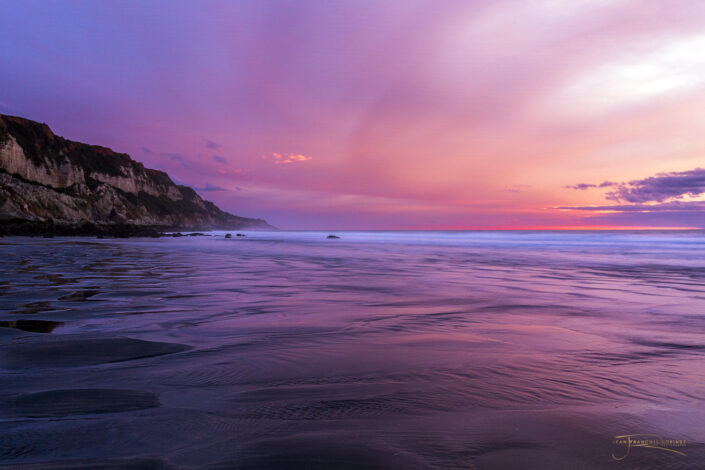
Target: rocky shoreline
(50,229)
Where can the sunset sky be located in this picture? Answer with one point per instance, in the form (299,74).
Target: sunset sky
(384,114)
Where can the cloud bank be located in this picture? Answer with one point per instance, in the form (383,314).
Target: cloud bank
(663,186)
(657,198)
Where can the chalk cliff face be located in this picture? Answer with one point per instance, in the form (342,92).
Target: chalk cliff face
(44,176)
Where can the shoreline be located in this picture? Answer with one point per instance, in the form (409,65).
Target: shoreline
(50,229)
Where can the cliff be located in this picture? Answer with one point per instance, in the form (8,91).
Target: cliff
(44,177)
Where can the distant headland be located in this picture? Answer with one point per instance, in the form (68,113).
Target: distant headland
(51,185)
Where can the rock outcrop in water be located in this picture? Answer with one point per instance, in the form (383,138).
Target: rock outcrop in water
(46,179)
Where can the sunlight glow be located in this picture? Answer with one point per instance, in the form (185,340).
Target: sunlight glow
(643,75)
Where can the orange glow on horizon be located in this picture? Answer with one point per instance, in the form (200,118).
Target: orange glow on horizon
(543,227)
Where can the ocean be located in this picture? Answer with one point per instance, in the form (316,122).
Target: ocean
(410,350)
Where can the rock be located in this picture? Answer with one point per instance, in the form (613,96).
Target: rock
(228,235)
(177,234)
(241,235)
(332,236)
(48,229)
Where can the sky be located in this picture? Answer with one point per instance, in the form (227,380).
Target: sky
(394,114)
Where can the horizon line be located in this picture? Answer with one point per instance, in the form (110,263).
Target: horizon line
(461,228)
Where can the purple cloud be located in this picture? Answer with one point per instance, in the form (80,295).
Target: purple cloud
(653,200)
(584,186)
(219,159)
(663,186)
(673,206)
(212,145)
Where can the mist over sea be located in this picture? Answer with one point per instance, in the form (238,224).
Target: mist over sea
(468,350)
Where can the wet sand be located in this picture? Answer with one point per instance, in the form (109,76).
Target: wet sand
(375,350)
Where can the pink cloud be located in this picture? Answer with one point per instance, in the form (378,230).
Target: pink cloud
(279,159)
